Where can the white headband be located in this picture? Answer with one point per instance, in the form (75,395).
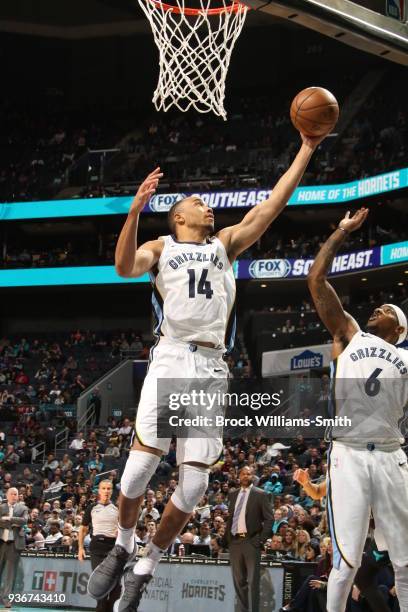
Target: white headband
(402,321)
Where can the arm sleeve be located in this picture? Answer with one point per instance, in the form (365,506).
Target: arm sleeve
(19,521)
(268,518)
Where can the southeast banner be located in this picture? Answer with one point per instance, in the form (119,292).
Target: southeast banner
(246,198)
(299,268)
(244,269)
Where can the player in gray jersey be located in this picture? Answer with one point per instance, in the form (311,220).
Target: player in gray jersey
(193,299)
(367,469)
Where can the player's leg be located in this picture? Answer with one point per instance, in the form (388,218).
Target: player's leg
(195,455)
(348,507)
(193,482)
(140,467)
(390,510)
(142,463)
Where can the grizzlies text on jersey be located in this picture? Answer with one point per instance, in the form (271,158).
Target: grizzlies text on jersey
(370,386)
(194,293)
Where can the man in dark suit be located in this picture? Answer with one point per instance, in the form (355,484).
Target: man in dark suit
(249,524)
(13,517)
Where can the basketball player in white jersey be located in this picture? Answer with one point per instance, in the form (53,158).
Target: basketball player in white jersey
(367,469)
(193,300)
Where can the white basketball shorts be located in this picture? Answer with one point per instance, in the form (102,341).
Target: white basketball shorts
(178,360)
(360,482)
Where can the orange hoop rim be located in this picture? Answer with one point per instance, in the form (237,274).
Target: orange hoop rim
(233,8)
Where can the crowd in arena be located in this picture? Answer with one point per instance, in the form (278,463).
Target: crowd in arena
(59,488)
(58,492)
(252,149)
(101,249)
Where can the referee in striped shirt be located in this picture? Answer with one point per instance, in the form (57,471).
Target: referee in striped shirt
(101,518)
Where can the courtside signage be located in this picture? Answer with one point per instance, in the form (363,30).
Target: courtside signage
(161,203)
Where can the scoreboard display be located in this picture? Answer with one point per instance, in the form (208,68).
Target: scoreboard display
(391,8)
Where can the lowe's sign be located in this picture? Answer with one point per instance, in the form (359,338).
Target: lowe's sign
(305,360)
(277,363)
(161,203)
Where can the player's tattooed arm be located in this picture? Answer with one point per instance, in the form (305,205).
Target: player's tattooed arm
(340,324)
(238,238)
(131,261)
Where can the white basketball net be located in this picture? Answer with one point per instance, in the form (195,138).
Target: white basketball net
(195,52)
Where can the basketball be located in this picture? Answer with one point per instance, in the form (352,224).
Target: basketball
(314,111)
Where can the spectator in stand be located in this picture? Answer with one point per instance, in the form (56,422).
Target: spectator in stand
(203,510)
(301,542)
(112,429)
(298,447)
(126,429)
(71,364)
(149,509)
(273,485)
(279,520)
(11,459)
(96,463)
(66,464)
(151,529)
(312,595)
(36,538)
(23,452)
(216,546)
(204,538)
(141,537)
(54,537)
(289,542)
(274,547)
(112,450)
(288,328)
(78,443)
(28,477)
(50,465)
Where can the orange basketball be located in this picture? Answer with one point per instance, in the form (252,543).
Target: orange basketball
(314,111)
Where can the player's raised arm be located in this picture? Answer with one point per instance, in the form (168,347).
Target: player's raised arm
(340,324)
(131,261)
(237,238)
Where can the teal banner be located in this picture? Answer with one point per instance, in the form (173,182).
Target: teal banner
(244,269)
(160,203)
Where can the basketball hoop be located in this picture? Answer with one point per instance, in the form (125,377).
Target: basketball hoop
(195,46)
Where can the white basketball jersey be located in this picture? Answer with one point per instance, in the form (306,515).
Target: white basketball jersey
(370,386)
(194,292)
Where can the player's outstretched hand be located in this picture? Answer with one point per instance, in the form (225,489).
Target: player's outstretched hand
(301,476)
(312,141)
(146,190)
(351,224)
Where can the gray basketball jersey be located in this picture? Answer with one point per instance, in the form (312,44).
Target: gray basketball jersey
(194,292)
(370,387)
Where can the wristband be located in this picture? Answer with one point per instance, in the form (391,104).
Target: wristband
(342,229)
